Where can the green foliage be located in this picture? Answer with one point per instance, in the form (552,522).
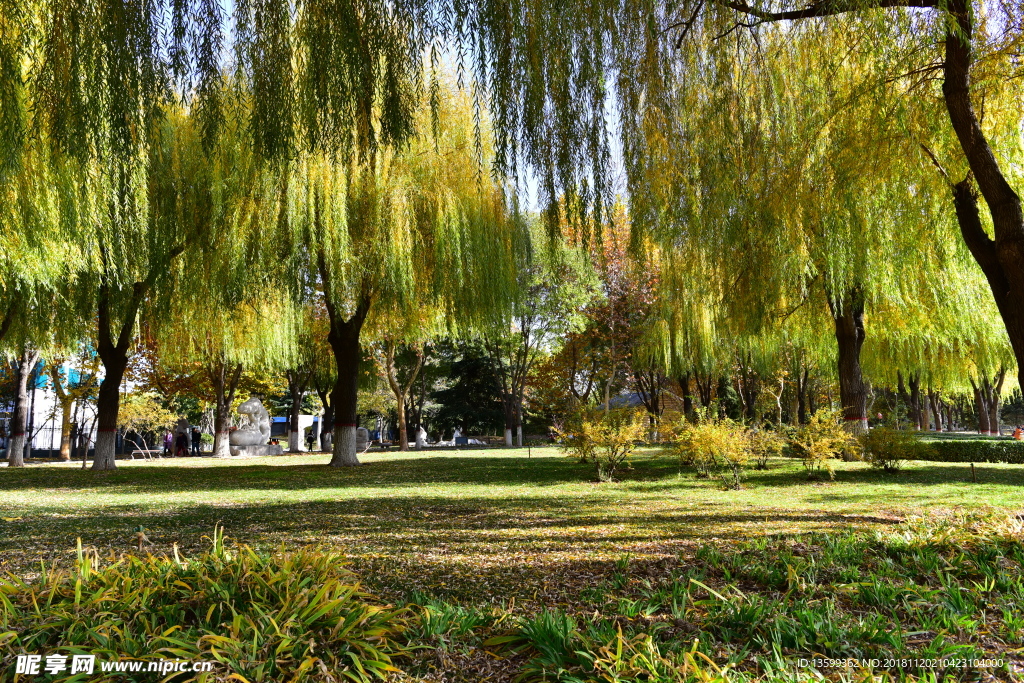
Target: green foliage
(928,586)
(766,444)
(822,439)
(605,438)
(472,398)
(441,624)
(716,444)
(295,616)
(887,448)
(144,412)
(976,450)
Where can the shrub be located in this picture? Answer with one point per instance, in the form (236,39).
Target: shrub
(887,448)
(287,616)
(605,438)
(820,440)
(976,450)
(765,444)
(715,444)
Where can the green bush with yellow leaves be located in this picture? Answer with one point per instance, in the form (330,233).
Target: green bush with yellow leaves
(605,438)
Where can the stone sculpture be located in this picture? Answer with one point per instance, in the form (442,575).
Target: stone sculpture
(254,427)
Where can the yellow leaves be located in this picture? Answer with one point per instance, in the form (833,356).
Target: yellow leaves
(605,437)
(822,439)
(141,412)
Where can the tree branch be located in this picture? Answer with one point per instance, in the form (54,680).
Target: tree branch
(822,8)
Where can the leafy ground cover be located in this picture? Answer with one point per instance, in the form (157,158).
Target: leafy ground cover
(517,563)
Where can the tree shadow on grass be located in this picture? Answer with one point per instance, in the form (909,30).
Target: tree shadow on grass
(918,475)
(209,475)
(491,530)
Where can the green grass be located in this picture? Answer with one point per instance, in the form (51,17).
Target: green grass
(496,538)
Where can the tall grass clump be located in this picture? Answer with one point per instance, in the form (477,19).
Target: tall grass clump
(264,617)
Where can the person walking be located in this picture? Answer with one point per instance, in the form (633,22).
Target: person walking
(181,449)
(168,443)
(197,442)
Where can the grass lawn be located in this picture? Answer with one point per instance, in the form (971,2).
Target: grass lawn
(520,538)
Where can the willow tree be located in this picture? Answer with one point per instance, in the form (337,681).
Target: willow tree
(230,311)
(339,76)
(221,347)
(765,178)
(38,255)
(400,231)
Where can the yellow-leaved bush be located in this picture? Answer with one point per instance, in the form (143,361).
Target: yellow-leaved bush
(605,438)
(715,444)
(821,440)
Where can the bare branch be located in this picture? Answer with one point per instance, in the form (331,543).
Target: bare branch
(821,8)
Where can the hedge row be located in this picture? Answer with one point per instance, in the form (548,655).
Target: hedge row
(1008,451)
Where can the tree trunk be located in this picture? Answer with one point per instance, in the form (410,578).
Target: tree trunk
(108,405)
(801,393)
(684,388)
(401,391)
(316,431)
(344,341)
(981,408)
(297,391)
(914,399)
(327,421)
(224,387)
(901,390)
(994,404)
(748,386)
(1001,259)
(853,391)
(509,411)
(17,441)
(113,354)
(704,389)
(65,430)
(933,399)
(917,403)
(403,428)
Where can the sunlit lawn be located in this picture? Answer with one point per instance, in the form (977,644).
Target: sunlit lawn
(461,521)
(498,538)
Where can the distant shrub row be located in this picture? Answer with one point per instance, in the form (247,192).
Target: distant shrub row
(1008,451)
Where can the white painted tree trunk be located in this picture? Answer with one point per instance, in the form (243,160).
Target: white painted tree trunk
(326,440)
(508,438)
(16,451)
(294,442)
(104,458)
(519,436)
(344,447)
(222,445)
